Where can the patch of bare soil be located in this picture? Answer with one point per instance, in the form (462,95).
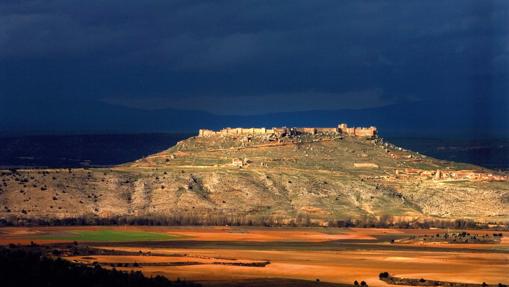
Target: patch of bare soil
(214,255)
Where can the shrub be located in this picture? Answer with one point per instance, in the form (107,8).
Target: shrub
(15,264)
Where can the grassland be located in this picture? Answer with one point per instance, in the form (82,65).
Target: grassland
(105,235)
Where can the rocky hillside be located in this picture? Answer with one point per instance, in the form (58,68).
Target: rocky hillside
(253,179)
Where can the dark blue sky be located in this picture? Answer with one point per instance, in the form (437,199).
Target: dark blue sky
(128,65)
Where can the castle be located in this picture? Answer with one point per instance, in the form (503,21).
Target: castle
(342,129)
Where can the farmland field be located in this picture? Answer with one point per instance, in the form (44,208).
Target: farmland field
(106,235)
(215,256)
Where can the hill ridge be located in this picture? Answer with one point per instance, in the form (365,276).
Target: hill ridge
(319,177)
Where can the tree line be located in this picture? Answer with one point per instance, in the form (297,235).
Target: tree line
(21,267)
(233,220)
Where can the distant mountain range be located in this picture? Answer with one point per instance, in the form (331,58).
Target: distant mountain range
(407,119)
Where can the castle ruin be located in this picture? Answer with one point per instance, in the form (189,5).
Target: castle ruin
(341,129)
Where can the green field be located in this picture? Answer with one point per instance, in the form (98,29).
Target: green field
(107,235)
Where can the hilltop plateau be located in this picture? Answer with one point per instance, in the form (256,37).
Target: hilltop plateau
(260,176)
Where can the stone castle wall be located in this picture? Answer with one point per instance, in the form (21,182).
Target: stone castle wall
(341,129)
(357,131)
(327,130)
(236,131)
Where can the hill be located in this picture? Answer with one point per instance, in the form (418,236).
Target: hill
(284,176)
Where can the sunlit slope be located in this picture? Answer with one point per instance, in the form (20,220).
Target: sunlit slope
(308,178)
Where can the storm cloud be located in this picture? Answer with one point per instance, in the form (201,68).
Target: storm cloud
(253,57)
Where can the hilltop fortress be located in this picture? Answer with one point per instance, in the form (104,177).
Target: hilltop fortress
(341,129)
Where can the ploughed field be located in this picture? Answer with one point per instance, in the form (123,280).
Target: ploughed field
(236,256)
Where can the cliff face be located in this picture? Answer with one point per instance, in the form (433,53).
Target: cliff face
(319,178)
